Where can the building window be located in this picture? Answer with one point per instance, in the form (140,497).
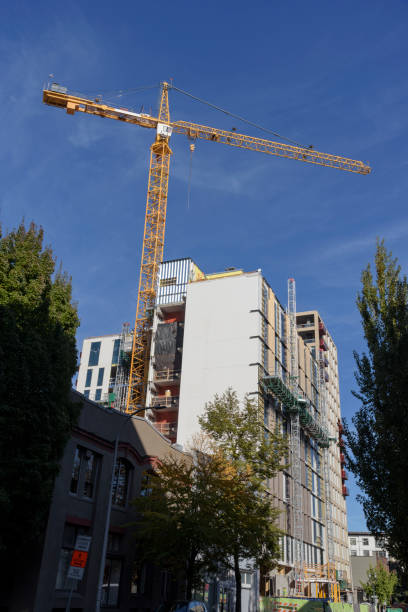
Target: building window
(84,471)
(121,483)
(115,354)
(98,394)
(100,377)
(246,579)
(353,542)
(166,282)
(88,378)
(353,553)
(94,354)
(68,544)
(111,583)
(365,541)
(366,553)
(86,393)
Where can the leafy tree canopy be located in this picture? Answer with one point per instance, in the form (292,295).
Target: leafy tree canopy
(378,445)
(380,583)
(38,322)
(255,456)
(213,509)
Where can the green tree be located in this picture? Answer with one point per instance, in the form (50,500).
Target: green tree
(37,361)
(249,530)
(378,446)
(380,583)
(177,525)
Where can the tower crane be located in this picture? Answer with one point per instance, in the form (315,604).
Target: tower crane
(156,202)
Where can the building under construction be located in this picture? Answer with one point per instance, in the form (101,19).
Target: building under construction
(214,331)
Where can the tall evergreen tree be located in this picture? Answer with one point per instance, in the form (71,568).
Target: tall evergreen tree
(378,445)
(38,355)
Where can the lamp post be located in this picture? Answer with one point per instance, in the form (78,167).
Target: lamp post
(109,508)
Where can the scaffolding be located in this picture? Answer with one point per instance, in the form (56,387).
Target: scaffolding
(321,580)
(122,372)
(326,461)
(295,442)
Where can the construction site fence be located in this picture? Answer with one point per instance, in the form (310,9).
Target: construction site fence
(294,604)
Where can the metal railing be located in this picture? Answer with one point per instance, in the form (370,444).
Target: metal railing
(167,401)
(167,429)
(167,375)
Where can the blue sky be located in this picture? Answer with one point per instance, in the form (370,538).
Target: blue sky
(332,74)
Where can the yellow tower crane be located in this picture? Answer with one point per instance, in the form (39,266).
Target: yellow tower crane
(156,203)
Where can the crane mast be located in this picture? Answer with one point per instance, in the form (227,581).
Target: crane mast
(156,202)
(152,254)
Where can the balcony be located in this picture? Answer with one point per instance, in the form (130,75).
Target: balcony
(345,491)
(304,325)
(164,377)
(166,429)
(323,345)
(344,475)
(342,459)
(322,329)
(323,359)
(168,401)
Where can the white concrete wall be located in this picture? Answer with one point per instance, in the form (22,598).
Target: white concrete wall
(218,348)
(105,361)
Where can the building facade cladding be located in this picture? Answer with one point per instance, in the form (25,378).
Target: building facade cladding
(313,331)
(235,332)
(97,368)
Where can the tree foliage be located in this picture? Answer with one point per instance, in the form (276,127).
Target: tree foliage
(380,583)
(378,445)
(37,361)
(212,510)
(255,456)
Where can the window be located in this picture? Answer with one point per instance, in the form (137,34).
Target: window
(68,543)
(111,583)
(84,471)
(115,354)
(365,541)
(88,378)
(75,472)
(166,282)
(121,483)
(353,553)
(246,579)
(146,486)
(94,353)
(86,392)
(100,377)
(112,573)
(353,542)
(98,394)
(366,553)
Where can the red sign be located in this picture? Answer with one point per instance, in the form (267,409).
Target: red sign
(79,558)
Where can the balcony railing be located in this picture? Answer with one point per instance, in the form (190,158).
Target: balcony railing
(345,491)
(170,401)
(167,376)
(167,429)
(342,459)
(344,475)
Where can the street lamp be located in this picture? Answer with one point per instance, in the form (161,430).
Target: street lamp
(109,508)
